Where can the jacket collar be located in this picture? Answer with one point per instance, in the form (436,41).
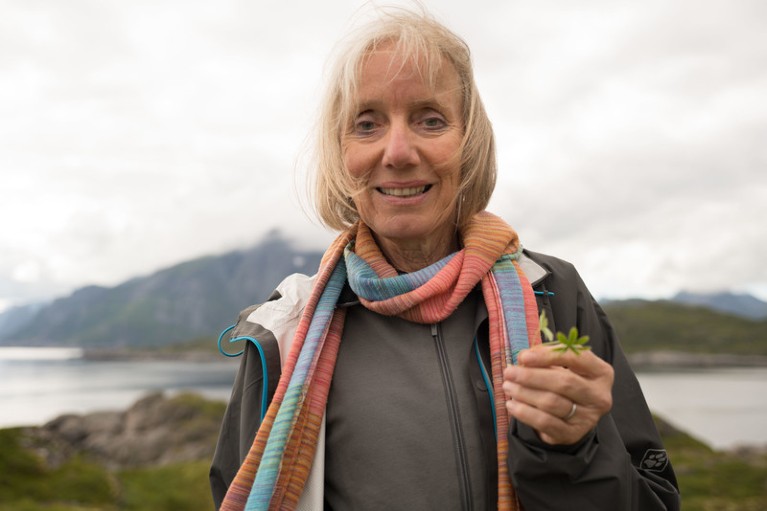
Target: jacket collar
(533,271)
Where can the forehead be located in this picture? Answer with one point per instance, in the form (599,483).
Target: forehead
(385,73)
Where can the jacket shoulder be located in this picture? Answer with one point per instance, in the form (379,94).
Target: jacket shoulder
(285,305)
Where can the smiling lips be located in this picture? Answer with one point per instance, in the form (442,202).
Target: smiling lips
(405,192)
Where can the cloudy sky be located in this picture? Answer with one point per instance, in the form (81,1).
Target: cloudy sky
(137,134)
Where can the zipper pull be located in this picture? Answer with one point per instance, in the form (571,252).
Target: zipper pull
(434,330)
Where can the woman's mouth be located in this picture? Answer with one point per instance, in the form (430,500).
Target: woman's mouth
(405,192)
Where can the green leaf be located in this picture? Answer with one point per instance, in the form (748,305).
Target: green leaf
(543,326)
(572,342)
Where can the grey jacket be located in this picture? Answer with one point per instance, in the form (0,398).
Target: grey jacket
(621,465)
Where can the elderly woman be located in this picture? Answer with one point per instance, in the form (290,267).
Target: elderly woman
(409,372)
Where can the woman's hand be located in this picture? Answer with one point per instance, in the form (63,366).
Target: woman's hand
(560,395)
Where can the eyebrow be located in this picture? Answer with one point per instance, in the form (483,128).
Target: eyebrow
(374,104)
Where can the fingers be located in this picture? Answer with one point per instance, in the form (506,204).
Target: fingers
(543,389)
(552,429)
(584,363)
(554,404)
(563,382)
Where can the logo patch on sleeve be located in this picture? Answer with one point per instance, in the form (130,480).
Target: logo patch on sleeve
(654,460)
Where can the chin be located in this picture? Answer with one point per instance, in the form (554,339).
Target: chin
(410,232)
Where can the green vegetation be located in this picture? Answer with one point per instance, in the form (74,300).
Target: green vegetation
(712,480)
(26,484)
(80,483)
(709,480)
(650,326)
(177,487)
(201,345)
(564,343)
(198,349)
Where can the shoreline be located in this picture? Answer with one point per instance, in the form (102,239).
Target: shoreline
(670,360)
(138,355)
(643,361)
(662,360)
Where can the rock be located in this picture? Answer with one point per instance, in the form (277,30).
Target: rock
(70,428)
(154,431)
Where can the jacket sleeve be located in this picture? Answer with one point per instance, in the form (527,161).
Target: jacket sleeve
(253,389)
(622,464)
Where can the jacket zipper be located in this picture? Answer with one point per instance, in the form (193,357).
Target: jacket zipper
(455,420)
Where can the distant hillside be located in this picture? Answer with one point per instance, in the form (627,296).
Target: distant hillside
(15,318)
(192,299)
(743,305)
(667,326)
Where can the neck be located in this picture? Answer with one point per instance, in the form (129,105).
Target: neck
(412,255)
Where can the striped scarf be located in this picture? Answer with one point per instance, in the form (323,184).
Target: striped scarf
(277,466)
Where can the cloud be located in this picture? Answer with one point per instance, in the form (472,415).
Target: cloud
(136,135)
(640,159)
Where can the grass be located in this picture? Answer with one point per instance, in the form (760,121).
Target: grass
(26,484)
(178,487)
(714,480)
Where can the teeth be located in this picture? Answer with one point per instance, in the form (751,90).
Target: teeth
(403,192)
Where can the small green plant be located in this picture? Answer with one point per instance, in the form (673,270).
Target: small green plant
(570,342)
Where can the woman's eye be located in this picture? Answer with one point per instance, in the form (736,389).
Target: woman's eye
(365,126)
(365,123)
(434,123)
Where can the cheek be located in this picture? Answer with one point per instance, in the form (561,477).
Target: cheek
(449,169)
(447,155)
(356,160)
(362,203)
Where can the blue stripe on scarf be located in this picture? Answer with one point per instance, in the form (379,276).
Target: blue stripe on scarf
(366,284)
(513,304)
(268,470)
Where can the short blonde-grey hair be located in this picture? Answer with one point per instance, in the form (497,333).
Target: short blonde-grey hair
(417,36)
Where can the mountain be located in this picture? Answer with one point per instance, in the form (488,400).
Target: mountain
(198,298)
(192,299)
(15,318)
(743,305)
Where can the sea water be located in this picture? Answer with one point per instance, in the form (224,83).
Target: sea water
(39,384)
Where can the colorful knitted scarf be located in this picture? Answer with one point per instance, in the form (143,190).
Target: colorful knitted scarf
(276,468)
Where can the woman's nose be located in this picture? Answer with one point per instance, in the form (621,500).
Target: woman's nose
(400,150)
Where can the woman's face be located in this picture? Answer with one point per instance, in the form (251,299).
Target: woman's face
(404,145)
